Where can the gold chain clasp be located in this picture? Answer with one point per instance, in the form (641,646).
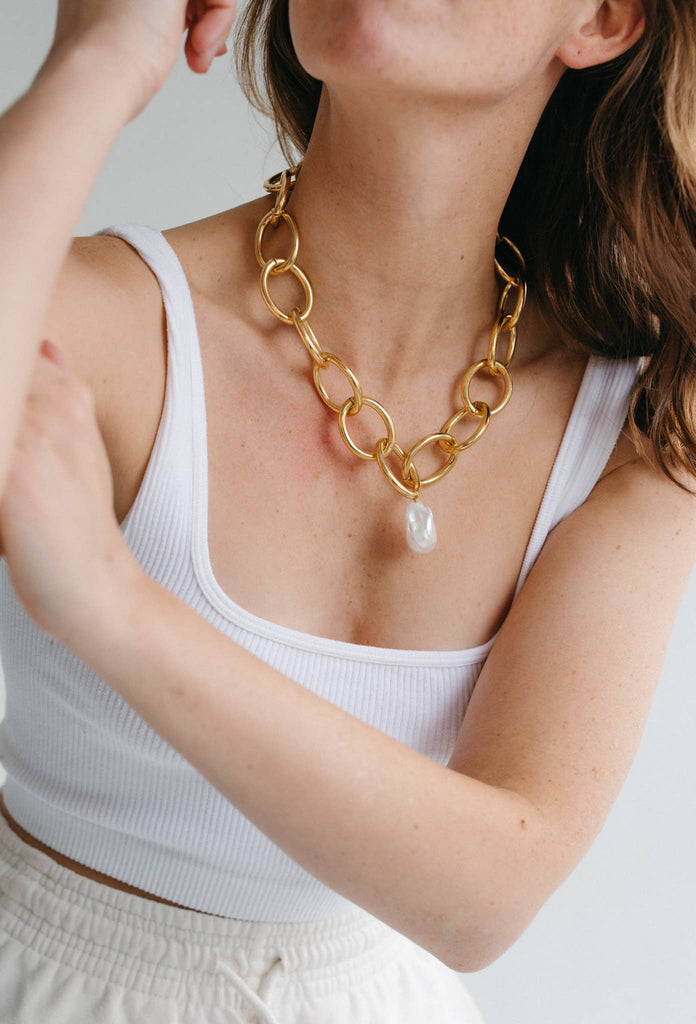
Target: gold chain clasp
(282,184)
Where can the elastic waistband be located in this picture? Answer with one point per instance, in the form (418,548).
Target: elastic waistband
(150,946)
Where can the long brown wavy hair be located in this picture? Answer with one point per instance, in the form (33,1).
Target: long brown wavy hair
(603,207)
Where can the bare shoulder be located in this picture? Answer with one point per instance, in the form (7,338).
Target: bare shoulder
(624,452)
(216,250)
(103,291)
(107,305)
(106,313)
(640,527)
(631,486)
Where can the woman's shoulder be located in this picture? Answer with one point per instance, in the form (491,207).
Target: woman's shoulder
(107,315)
(107,298)
(103,290)
(212,249)
(624,453)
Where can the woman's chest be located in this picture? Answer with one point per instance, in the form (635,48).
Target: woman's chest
(303,534)
(306,535)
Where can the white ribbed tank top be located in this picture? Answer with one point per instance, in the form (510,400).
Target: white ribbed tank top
(88,777)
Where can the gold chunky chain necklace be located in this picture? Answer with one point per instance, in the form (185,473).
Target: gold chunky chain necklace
(420,524)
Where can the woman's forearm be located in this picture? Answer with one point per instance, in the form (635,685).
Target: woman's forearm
(439,856)
(53,142)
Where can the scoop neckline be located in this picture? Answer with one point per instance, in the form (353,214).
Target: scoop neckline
(286,635)
(180,306)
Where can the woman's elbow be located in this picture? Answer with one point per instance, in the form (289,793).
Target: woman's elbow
(479,949)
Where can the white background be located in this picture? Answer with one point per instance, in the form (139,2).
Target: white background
(616,944)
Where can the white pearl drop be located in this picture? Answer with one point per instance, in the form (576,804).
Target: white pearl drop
(420,528)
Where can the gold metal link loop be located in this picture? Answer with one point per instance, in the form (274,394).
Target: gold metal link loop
(502,324)
(484,414)
(389,440)
(510,278)
(520,300)
(412,492)
(268,269)
(431,439)
(501,370)
(507,321)
(308,337)
(274,183)
(282,197)
(288,263)
(282,183)
(357,399)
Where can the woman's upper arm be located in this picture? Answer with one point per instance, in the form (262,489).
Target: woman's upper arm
(107,317)
(561,704)
(71,304)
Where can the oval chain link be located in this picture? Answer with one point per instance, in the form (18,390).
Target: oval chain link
(356,401)
(423,443)
(308,336)
(484,414)
(273,267)
(412,492)
(390,440)
(286,265)
(411,483)
(501,370)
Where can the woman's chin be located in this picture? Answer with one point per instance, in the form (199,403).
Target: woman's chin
(359,47)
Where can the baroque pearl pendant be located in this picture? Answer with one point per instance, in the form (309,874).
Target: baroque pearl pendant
(420,528)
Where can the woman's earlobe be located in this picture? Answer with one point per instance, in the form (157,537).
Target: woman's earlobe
(616,27)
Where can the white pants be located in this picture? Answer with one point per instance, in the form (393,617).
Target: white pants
(73,951)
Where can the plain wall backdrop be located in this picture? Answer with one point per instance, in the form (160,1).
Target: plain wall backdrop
(616,944)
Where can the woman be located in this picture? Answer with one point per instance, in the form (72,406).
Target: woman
(240,778)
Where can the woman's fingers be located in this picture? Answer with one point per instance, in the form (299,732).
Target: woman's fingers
(207,36)
(138,41)
(53,375)
(53,353)
(57,521)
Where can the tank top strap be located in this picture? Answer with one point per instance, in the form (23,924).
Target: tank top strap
(154,249)
(599,413)
(161,516)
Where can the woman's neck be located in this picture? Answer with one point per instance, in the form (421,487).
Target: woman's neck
(398,211)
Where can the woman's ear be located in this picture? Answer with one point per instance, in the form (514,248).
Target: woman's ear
(615,27)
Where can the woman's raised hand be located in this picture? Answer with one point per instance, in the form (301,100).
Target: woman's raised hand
(139,40)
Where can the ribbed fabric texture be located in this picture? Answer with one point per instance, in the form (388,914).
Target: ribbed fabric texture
(88,777)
